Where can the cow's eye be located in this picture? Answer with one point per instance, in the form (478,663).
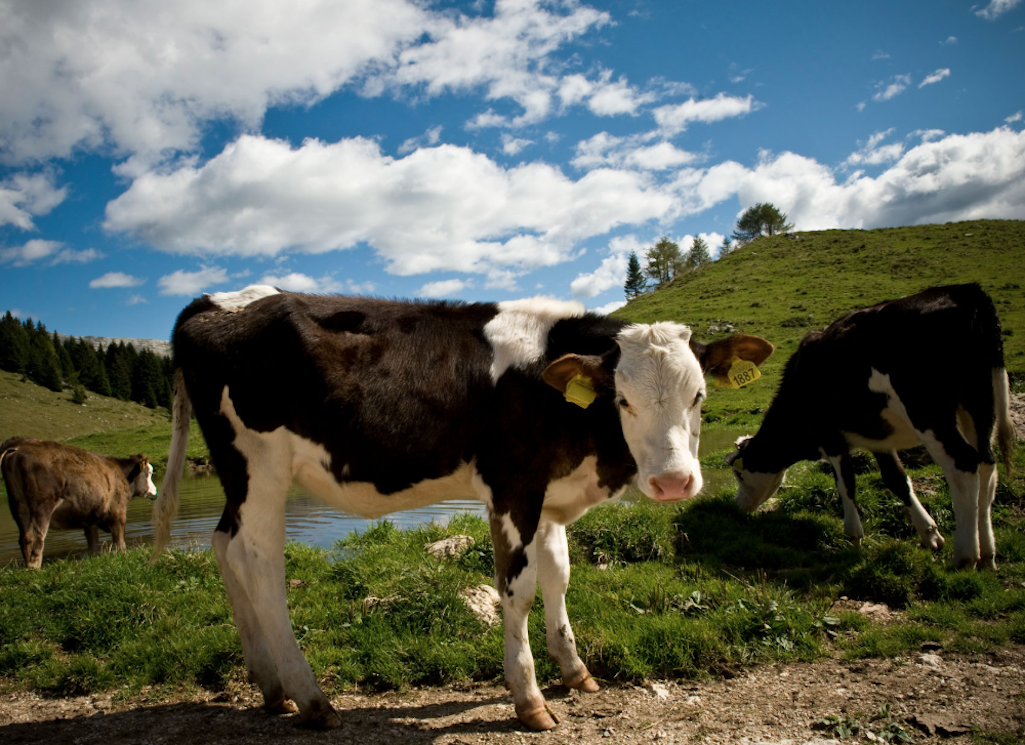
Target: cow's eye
(697,399)
(623,402)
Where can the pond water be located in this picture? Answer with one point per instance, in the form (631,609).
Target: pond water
(307,519)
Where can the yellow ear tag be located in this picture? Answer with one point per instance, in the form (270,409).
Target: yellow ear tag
(580,391)
(741,373)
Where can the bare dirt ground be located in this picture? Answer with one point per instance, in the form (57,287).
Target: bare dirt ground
(933,695)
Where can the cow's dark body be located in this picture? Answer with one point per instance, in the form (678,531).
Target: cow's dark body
(51,485)
(925,368)
(432,404)
(379,405)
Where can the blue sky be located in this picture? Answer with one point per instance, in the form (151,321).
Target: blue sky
(151,151)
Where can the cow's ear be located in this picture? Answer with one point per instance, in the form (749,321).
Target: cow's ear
(563,370)
(716,357)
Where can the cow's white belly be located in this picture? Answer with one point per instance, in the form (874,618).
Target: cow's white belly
(362,498)
(903,437)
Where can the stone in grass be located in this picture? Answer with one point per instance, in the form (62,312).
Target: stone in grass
(483,602)
(450,548)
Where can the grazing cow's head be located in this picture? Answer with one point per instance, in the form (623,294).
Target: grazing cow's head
(756,479)
(658,374)
(140,478)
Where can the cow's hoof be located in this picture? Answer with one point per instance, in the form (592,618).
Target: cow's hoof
(321,716)
(988,562)
(284,706)
(538,719)
(583,682)
(965,563)
(933,541)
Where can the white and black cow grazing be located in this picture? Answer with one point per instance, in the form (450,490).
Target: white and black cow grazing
(926,369)
(377,406)
(51,485)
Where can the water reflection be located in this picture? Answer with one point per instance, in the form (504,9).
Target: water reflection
(307,519)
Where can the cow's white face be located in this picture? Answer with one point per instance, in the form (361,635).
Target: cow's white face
(143,483)
(753,487)
(659,389)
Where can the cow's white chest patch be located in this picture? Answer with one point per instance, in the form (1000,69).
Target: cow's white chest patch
(568,498)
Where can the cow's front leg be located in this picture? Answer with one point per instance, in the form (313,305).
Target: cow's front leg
(960,464)
(516,579)
(843,470)
(117,535)
(553,575)
(897,481)
(92,539)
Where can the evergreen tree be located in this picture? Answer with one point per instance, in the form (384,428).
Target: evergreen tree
(635,282)
(147,379)
(664,260)
(88,367)
(103,384)
(118,371)
(44,366)
(762,219)
(13,345)
(67,366)
(726,248)
(698,253)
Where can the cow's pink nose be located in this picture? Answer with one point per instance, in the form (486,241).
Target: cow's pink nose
(672,488)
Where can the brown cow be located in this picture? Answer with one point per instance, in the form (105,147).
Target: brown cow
(64,487)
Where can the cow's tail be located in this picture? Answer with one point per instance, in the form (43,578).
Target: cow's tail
(5,450)
(166,506)
(1005,426)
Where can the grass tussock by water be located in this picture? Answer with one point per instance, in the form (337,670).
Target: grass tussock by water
(656,592)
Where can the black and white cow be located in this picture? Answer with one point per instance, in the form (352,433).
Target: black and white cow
(925,369)
(377,406)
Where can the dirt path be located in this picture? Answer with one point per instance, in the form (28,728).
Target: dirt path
(933,695)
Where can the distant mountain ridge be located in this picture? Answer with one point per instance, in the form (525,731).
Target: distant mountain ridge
(157,346)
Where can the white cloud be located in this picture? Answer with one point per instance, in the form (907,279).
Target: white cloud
(607,150)
(23,196)
(612,271)
(428,139)
(880,54)
(116,279)
(870,153)
(959,177)
(298,282)
(181,282)
(675,118)
(927,135)
(949,40)
(443,288)
(443,208)
(513,145)
(736,75)
(860,106)
(136,300)
(935,77)
(135,77)
(997,8)
(609,307)
(29,253)
(1016,117)
(885,91)
(70,256)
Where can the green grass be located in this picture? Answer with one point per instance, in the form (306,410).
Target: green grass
(782,287)
(656,592)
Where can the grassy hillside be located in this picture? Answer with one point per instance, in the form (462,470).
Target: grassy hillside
(102,425)
(783,286)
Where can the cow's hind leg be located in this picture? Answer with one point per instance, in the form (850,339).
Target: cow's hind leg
(960,464)
(897,481)
(32,538)
(987,475)
(843,470)
(516,578)
(553,576)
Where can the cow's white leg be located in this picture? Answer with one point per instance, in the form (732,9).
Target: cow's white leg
(844,473)
(516,578)
(259,660)
(897,481)
(960,465)
(987,493)
(553,576)
(255,554)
